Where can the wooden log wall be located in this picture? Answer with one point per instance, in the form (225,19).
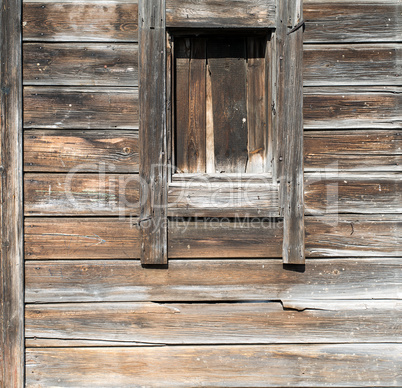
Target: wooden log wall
(95,317)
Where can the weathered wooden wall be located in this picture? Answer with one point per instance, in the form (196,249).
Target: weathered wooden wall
(95,317)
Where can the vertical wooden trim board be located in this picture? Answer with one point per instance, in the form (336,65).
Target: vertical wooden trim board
(152,104)
(12,295)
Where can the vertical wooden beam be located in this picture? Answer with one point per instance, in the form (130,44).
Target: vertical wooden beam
(152,103)
(12,294)
(290,123)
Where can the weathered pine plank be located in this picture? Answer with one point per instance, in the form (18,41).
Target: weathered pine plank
(245,323)
(340,21)
(102,194)
(78,108)
(11,208)
(352,107)
(352,64)
(80,21)
(216,280)
(217,366)
(80,64)
(218,13)
(376,150)
(81,151)
(365,193)
(68,238)
(153,131)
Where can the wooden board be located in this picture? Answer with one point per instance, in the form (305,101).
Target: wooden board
(78,108)
(122,324)
(81,151)
(68,238)
(217,366)
(102,194)
(218,14)
(376,150)
(364,193)
(80,21)
(352,107)
(58,281)
(352,64)
(80,64)
(341,21)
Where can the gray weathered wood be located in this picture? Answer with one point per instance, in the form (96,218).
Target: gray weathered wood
(80,108)
(54,21)
(11,209)
(70,281)
(80,64)
(153,149)
(81,151)
(294,321)
(218,366)
(218,13)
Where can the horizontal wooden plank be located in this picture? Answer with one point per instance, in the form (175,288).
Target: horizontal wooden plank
(376,150)
(352,64)
(196,323)
(354,235)
(60,21)
(102,194)
(341,21)
(352,107)
(78,108)
(68,238)
(366,193)
(214,280)
(81,151)
(80,64)
(218,13)
(217,366)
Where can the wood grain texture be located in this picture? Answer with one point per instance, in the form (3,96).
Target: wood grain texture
(153,131)
(78,108)
(54,21)
(122,324)
(218,13)
(341,21)
(80,64)
(102,194)
(352,64)
(69,238)
(11,208)
(81,151)
(360,150)
(218,366)
(61,281)
(352,108)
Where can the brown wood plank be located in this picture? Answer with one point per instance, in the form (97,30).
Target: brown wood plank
(11,208)
(153,136)
(80,21)
(69,238)
(366,193)
(227,65)
(352,107)
(352,64)
(81,151)
(218,13)
(354,235)
(78,108)
(57,281)
(214,366)
(297,321)
(102,194)
(341,21)
(80,64)
(376,150)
